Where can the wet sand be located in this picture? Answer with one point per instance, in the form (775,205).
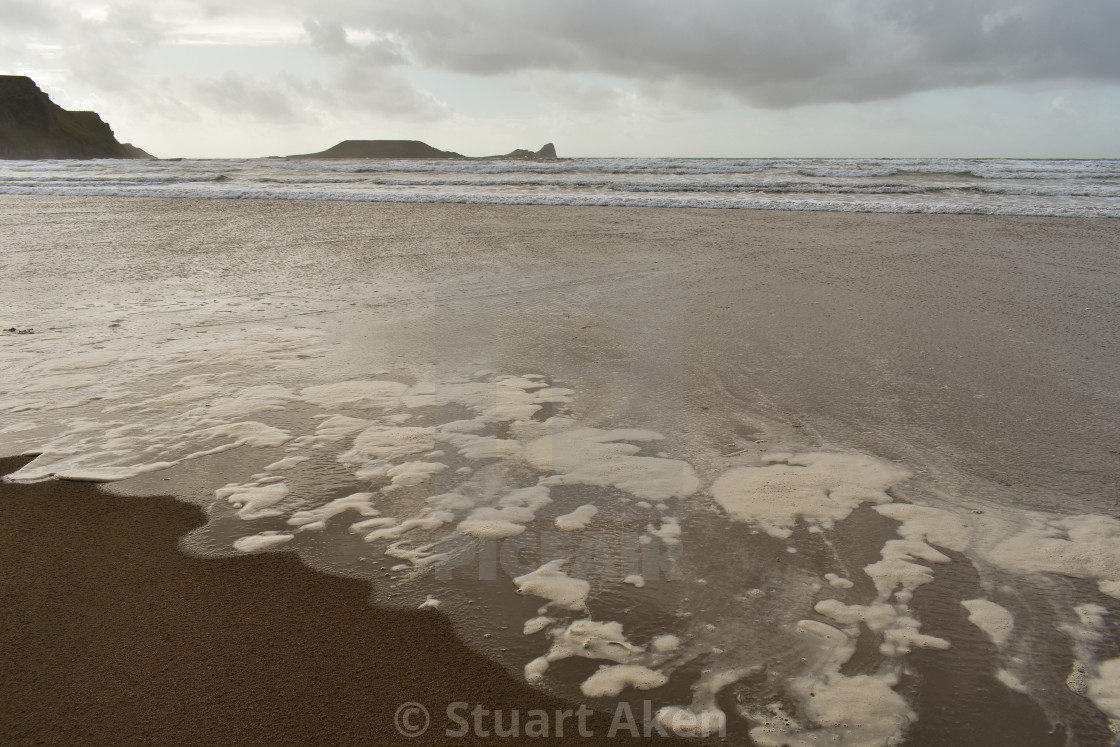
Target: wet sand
(110,635)
(980,351)
(985,344)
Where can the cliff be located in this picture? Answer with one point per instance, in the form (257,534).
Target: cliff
(409,149)
(32,126)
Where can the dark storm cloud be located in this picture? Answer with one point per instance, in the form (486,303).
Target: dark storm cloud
(765,53)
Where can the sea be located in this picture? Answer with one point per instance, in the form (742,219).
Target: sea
(1083,188)
(812,470)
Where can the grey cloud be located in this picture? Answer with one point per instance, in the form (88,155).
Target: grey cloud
(24,15)
(101,53)
(232,94)
(572,93)
(388,92)
(331,39)
(765,53)
(105,53)
(327,37)
(366,75)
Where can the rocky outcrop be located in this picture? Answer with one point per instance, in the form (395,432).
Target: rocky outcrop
(32,127)
(381,149)
(411,149)
(548,150)
(135,152)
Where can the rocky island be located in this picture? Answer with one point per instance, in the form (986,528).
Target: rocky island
(34,127)
(413,149)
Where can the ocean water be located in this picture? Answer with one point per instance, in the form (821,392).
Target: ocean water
(1086,188)
(815,479)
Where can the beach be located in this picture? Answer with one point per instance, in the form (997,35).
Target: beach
(933,395)
(113,635)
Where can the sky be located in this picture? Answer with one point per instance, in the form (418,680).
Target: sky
(599,78)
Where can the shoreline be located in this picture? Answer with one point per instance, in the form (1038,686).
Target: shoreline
(597,207)
(43,194)
(113,635)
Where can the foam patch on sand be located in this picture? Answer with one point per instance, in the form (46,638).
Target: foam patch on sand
(901,569)
(262,541)
(116,453)
(203,414)
(818,488)
(835,708)
(588,639)
(478,500)
(1011,682)
(253,500)
(335,428)
(591,456)
(1086,633)
(285,463)
(379,444)
(931,525)
(317,517)
(991,618)
(578,519)
(1104,688)
(612,680)
(702,718)
(249,400)
(356,394)
(458,478)
(391,455)
(508,518)
(551,583)
(689,722)
(1086,546)
(426,485)
(536,624)
(832,707)
(669,531)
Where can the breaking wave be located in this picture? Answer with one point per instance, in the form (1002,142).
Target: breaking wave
(954,186)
